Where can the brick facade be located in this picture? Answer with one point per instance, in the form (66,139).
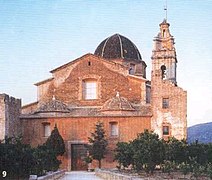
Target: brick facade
(78,129)
(123,97)
(111,77)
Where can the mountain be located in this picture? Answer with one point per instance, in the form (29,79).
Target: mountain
(200,132)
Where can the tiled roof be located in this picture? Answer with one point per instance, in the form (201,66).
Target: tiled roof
(117,103)
(53,106)
(140,111)
(117,106)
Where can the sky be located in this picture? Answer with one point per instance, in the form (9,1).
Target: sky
(37,36)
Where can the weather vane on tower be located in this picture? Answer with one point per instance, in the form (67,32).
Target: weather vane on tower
(165,9)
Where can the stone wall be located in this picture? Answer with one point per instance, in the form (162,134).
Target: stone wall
(107,174)
(10,109)
(2,117)
(51,175)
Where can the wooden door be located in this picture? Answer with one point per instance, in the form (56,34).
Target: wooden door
(78,153)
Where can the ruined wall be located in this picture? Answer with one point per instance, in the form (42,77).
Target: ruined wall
(169,101)
(10,109)
(175,115)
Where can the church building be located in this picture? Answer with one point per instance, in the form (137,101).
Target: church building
(109,86)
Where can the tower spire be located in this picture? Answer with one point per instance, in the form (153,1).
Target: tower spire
(165,9)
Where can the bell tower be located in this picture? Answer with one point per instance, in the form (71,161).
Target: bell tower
(164,59)
(168,100)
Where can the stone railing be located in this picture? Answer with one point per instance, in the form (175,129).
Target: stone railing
(109,175)
(49,176)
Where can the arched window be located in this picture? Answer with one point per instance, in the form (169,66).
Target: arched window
(90,89)
(163,71)
(164,33)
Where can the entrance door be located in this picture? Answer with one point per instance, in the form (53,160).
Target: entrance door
(78,153)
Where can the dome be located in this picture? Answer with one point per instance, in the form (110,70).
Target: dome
(118,46)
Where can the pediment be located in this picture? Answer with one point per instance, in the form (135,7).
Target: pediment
(53,106)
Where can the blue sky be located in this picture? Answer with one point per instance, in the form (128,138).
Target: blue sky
(38,36)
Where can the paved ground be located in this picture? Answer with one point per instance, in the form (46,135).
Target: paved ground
(78,175)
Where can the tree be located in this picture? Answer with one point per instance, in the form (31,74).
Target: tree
(15,158)
(45,160)
(98,143)
(148,151)
(176,150)
(20,160)
(56,142)
(209,152)
(199,151)
(124,154)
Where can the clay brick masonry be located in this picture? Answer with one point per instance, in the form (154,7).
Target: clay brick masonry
(109,86)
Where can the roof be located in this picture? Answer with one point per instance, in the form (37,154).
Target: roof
(53,106)
(85,56)
(78,112)
(57,109)
(44,81)
(69,63)
(164,23)
(118,46)
(30,104)
(117,103)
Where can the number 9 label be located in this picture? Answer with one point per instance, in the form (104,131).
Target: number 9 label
(4,173)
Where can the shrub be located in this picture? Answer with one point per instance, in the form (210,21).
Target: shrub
(168,166)
(184,168)
(196,168)
(209,170)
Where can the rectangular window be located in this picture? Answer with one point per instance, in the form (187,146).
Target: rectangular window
(90,90)
(165,103)
(132,69)
(165,130)
(148,94)
(114,129)
(46,129)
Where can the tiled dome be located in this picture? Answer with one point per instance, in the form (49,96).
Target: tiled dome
(118,46)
